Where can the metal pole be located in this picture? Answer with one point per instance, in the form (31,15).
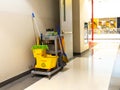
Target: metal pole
(92,20)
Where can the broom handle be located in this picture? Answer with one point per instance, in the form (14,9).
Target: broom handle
(59,36)
(35,22)
(34,31)
(60,44)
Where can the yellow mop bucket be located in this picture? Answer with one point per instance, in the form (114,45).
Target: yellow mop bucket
(39,50)
(47,62)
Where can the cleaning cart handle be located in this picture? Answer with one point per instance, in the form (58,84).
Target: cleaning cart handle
(58,30)
(33,15)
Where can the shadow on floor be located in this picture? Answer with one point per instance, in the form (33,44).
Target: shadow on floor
(22,83)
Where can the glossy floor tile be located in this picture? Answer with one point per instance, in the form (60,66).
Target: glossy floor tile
(115,78)
(84,73)
(21,83)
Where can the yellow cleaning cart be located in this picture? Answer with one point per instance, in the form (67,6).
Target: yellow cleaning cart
(48,61)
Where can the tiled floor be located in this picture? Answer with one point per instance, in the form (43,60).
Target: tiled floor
(21,83)
(97,69)
(115,78)
(84,73)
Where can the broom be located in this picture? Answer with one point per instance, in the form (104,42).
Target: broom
(64,56)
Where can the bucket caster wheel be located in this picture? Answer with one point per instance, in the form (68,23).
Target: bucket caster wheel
(49,77)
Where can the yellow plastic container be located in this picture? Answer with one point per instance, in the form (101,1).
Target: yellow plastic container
(39,52)
(47,62)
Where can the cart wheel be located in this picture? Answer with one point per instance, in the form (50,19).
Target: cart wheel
(32,75)
(49,77)
(61,68)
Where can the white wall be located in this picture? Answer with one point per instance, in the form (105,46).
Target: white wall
(66,26)
(106,8)
(76,26)
(80,16)
(102,9)
(84,17)
(47,13)
(17,35)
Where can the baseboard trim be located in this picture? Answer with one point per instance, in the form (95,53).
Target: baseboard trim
(76,54)
(80,54)
(14,78)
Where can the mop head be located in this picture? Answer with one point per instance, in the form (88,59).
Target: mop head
(65,59)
